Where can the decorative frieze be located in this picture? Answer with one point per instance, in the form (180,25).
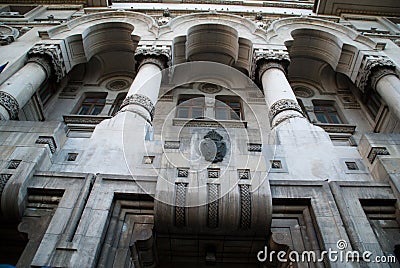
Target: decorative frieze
(172,144)
(3,181)
(245,206)
(373,67)
(213,173)
(284,105)
(52,52)
(141,100)
(10,104)
(180,203)
(269,58)
(254,147)
(49,140)
(244,174)
(212,205)
(158,55)
(375,151)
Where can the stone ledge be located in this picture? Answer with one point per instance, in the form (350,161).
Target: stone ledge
(84,119)
(209,123)
(337,128)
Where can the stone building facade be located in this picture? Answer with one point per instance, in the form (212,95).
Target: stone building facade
(199,133)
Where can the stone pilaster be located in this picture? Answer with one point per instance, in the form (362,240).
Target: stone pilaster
(270,70)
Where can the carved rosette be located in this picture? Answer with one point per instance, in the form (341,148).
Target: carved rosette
(49,54)
(141,100)
(372,69)
(158,55)
(284,105)
(267,59)
(10,104)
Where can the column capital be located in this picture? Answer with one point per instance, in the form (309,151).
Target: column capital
(10,104)
(264,59)
(50,57)
(158,55)
(373,68)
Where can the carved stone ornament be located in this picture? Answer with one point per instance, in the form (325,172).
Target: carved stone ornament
(209,88)
(371,65)
(270,58)
(158,55)
(283,105)
(212,147)
(10,104)
(8,34)
(53,53)
(140,100)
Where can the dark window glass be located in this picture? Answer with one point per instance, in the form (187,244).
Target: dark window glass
(228,108)
(190,107)
(92,105)
(326,113)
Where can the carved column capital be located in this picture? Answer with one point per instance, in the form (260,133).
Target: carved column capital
(10,104)
(49,54)
(373,68)
(284,105)
(141,100)
(158,55)
(267,59)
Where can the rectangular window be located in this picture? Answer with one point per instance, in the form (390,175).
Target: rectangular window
(190,107)
(92,104)
(326,112)
(228,108)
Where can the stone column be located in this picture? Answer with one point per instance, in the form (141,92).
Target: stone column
(143,93)
(279,96)
(379,73)
(44,61)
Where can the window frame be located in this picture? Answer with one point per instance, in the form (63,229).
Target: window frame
(227,100)
(91,95)
(326,112)
(186,102)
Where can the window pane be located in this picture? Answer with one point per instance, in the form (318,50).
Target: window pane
(197,113)
(101,100)
(183,112)
(96,110)
(321,118)
(334,118)
(221,114)
(219,103)
(235,115)
(84,109)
